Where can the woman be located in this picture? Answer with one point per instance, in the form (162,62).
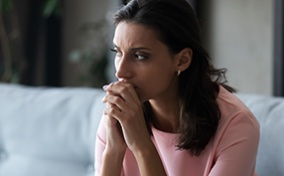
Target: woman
(170,112)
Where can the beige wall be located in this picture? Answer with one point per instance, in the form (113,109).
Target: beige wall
(241,41)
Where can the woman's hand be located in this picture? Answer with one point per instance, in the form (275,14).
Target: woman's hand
(115,142)
(125,107)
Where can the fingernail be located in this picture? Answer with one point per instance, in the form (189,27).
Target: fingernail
(107,85)
(104,87)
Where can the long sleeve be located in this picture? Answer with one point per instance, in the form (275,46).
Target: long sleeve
(237,148)
(99,147)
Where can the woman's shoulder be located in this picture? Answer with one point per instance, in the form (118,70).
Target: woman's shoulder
(232,109)
(229,103)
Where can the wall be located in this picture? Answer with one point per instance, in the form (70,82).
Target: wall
(240,39)
(76,14)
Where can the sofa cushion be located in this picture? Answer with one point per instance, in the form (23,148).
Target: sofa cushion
(48,131)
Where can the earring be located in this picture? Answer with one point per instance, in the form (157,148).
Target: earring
(178,73)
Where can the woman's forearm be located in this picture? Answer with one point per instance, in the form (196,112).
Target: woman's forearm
(112,163)
(149,162)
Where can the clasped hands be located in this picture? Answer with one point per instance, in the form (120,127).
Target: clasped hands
(126,126)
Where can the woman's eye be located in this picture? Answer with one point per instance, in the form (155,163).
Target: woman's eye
(117,53)
(140,56)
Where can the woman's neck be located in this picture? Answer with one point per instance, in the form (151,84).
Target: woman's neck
(166,114)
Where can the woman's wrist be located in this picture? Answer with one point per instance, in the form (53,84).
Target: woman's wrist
(147,149)
(114,152)
(149,161)
(112,162)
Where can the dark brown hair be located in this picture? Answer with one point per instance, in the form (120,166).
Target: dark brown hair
(178,28)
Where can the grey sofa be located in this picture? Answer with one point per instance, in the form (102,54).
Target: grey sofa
(51,131)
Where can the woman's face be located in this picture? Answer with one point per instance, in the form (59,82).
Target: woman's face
(144,61)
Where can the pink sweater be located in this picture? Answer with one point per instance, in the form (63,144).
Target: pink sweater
(231,152)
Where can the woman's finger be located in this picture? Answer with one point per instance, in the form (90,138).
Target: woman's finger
(113,111)
(115,100)
(125,90)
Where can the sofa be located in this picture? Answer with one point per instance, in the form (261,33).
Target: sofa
(47,131)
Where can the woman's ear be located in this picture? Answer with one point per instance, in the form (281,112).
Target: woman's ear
(184,58)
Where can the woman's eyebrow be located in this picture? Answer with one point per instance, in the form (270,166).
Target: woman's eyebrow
(134,48)
(139,48)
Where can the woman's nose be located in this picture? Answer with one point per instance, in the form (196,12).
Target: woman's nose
(123,68)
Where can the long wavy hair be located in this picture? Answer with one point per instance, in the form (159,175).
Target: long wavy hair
(178,28)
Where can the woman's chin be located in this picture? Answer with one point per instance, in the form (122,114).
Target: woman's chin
(142,98)
(140,95)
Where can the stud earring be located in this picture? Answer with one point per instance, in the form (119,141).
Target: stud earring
(178,73)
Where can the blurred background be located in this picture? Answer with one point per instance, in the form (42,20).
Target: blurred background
(66,43)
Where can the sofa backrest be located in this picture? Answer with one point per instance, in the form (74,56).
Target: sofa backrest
(48,131)
(270,113)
